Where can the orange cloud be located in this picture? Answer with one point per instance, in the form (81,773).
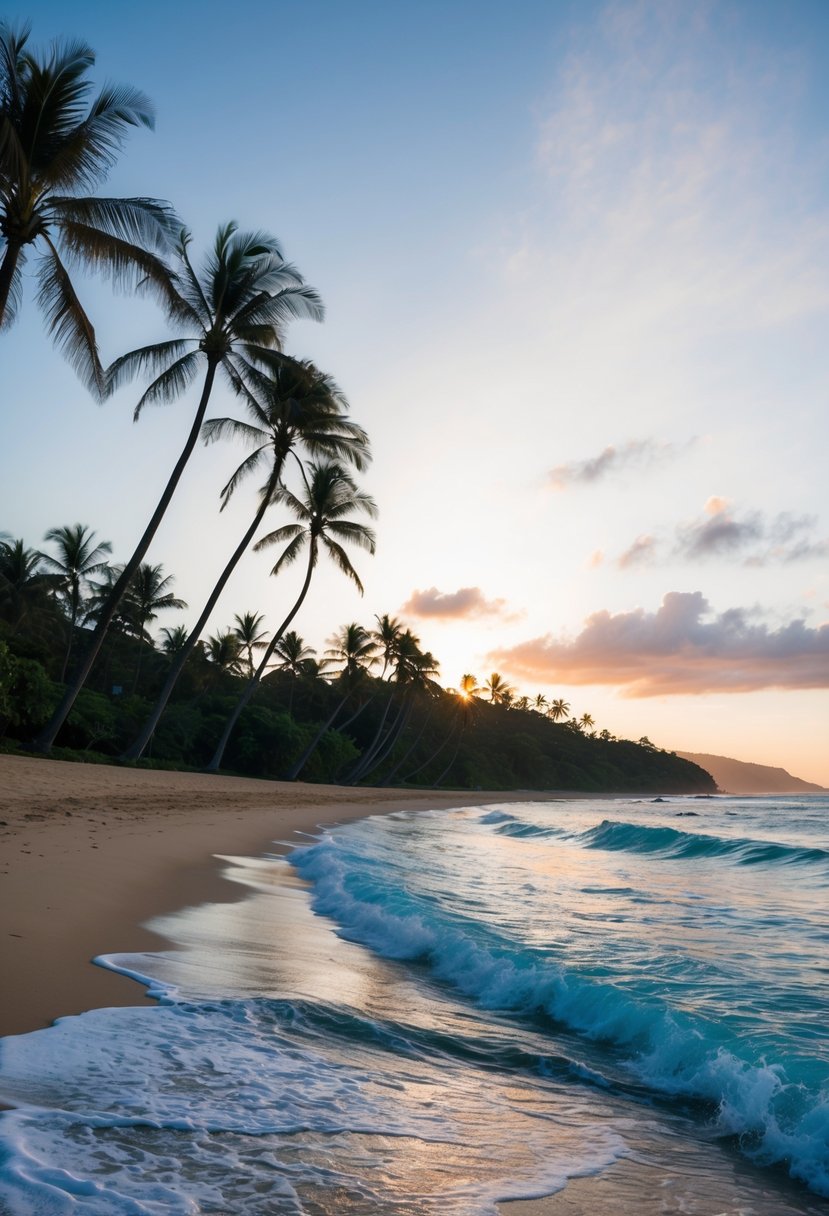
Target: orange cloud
(452,605)
(681,648)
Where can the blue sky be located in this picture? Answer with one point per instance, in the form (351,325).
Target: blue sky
(574,261)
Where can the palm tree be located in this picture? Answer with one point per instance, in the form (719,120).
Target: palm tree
(237,309)
(55,145)
(558,709)
(292,654)
(173,639)
(469,687)
(78,558)
(304,409)
(149,592)
(539,703)
(497,689)
(387,635)
(250,634)
(353,651)
(25,587)
(586,721)
(224,651)
(330,496)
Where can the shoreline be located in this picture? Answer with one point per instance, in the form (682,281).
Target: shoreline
(89,853)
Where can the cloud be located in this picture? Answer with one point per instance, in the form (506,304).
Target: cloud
(722,531)
(640,553)
(636,454)
(682,648)
(466,603)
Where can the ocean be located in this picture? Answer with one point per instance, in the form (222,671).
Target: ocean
(621,1000)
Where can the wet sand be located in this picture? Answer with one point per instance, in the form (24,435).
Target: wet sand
(88,853)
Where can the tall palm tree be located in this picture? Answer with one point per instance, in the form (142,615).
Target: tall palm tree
(236,310)
(55,145)
(539,703)
(586,721)
(498,690)
(250,634)
(559,708)
(303,409)
(78,557)
(330,496)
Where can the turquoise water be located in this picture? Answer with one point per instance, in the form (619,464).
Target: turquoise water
(436,1012)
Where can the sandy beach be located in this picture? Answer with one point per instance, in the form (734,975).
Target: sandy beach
(88,853)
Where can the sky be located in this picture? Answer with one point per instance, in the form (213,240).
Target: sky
(574,261)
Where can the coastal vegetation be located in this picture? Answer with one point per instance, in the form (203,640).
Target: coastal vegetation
(79,665)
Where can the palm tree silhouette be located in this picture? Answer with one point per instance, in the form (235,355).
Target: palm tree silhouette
(25,588)
(304,409)
(250,634)
(56,144)
(149,592)
(497,689)
(558,709)
(236,310)
(330,495)
(78,557)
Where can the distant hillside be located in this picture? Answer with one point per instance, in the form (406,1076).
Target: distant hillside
(738,777)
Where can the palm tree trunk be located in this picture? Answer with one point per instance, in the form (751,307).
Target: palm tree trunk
(7,269)
(359,767)
(399,764)
(134,751)
(297,768)
(47,736)
(253,682)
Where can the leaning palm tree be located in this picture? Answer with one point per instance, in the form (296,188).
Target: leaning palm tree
(303,409)
(236,310)
(330,497)
(559,708)
(55,145)
(78,557)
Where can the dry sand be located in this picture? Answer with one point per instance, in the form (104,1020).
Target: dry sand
(88,853)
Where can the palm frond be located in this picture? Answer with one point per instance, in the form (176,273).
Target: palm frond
(248,465)
(355,533)
(340,558)
(277,537)
(70,327)
(147,359)
(171,383)
(291,553)
(148,223)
